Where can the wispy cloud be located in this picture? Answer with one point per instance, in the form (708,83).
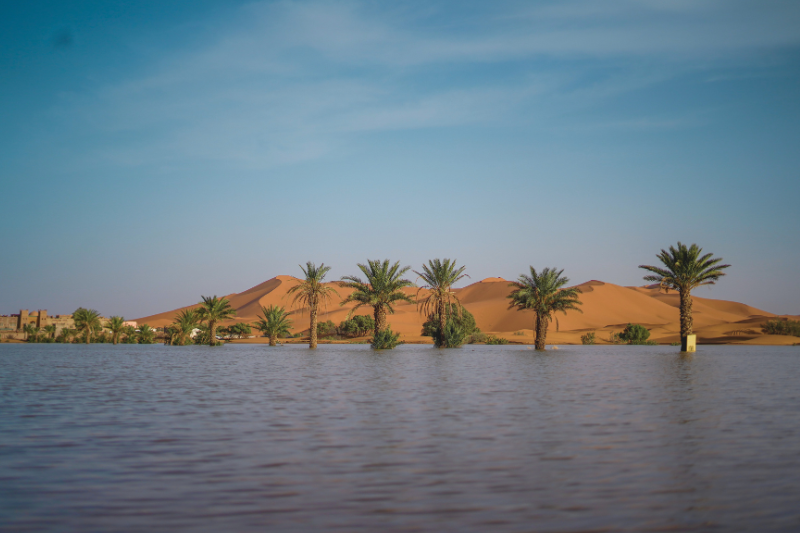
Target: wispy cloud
(286,82)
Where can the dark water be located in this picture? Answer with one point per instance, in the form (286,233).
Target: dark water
(251,438)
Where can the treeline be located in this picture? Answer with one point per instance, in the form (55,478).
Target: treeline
(544,292)
(89,329)
(779,326)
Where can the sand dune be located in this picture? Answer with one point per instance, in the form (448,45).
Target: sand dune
(606,308)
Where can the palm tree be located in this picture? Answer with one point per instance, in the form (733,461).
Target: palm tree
(146,334)
(130,334)
(182,325)
(311,292)
(275,321)
(51,330)
(87,321)
(684,270)
(66,335)
(439,277)
(30,332)
(382,288)
(542,293)
(212,311)
(115,325)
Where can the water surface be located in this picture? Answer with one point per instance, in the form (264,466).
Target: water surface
(482,438)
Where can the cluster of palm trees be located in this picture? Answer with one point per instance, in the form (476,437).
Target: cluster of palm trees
(89,328)
(382,287)
(543,292)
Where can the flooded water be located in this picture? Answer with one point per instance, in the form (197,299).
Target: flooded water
(482,438)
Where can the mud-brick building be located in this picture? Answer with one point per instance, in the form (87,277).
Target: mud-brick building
(40,319)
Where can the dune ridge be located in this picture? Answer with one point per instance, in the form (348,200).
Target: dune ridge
(606,308)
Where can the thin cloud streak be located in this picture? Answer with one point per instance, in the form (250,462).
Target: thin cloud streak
(290,82)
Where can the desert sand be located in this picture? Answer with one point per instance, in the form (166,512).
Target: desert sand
(607,308)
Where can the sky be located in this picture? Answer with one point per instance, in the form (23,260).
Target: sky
(153,152)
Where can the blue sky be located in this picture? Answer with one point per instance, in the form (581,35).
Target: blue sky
(158,151)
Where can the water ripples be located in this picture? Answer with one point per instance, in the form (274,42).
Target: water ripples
(481,438)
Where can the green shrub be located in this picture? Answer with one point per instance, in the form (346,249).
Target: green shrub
(492,339)
(358,326)
(385,339)
(779,326)
(614,338)
(454,335)
(636,334)
(589,338)
(520,333)
(326,328)
(239,330)
(465,320)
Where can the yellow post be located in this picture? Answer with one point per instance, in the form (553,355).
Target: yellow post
(689,343)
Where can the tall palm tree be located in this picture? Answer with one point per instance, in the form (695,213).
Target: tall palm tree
(311,292)
(542,293)
(275,321)
(87,321)
(439,277)
(382,288)
(213,310)
(684,269)
(115,325)
(182,326)
(50,329)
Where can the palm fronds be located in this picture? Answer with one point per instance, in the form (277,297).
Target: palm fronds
(311,292)
(439,277)
(87,321)
(381,289)
(213,310)
(543,293)
(274,321)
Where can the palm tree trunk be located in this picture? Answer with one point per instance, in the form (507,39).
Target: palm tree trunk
(442,320)
(687,322)
(212,332)
(273,340)
(88,334)
(312,343)
(541,332)
(380,318)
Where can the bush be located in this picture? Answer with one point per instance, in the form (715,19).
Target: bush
(239,330)
(465,320)
(326,328)
(358,326)
(635,334)
(780,326)
(589,338)
(385,339)
(492,339)
(520,333)
(454,335)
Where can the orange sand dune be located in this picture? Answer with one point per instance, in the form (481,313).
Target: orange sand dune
(606,308)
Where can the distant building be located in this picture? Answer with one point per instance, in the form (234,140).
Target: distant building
(11,325)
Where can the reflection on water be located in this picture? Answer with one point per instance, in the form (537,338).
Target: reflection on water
(610,438)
